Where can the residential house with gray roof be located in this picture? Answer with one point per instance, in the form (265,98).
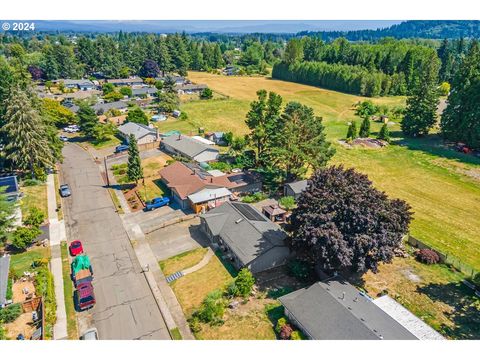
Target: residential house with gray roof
(102,108)
(190,148)
(295,188)
(335,310)
(143,133)
(245,236)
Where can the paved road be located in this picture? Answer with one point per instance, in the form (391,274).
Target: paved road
(126,308)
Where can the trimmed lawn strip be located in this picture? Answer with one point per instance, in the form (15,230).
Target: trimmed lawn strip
(68,293)
(182,261)
(115,200)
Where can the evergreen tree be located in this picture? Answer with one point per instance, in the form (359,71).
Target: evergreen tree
(461,119)
(25,133)
(87,119)
(365,127)
(384,133)
(421,111)
(217,57)
(352,133)
(262,121)
(134,170)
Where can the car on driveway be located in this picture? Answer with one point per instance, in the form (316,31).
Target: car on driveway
(157,203)
(65,190)
(121,148)
(63,138)
(90,334)
(76,247)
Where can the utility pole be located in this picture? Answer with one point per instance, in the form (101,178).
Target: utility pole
(106,170)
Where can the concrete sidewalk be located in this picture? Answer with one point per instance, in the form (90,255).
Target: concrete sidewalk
(166,299)
(57,235)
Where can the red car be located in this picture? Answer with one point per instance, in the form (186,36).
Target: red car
(85,296)
(76,247)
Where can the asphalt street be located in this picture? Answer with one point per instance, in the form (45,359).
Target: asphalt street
(126,307)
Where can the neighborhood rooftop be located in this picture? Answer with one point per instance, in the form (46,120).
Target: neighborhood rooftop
(335,310)
(138,130)
(187,145)
(246,231)
(4,268)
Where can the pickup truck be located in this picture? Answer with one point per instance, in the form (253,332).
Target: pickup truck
(85,296)
(82,276)
(81,262)
(157,203)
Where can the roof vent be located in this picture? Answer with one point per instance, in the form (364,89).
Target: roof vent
(239,221)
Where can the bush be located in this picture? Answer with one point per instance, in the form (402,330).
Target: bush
(220,165)
(296,335)
(232,289)
(280,323)
(35,217)
(286,332)
(194,324)
(31,182)
(45,287)
(427,256)
(23,237)
(258,196)
(476,280)
(10,313)
(244,282)
(206,94)
(299,269)
(212,308)
(287,202)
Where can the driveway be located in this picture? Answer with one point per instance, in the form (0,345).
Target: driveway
(152,220)
(123,158)
(125,308)
(175,239)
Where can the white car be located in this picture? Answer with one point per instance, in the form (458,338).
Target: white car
(90,334)
(63,138)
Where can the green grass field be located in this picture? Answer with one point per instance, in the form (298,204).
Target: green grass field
(441,185)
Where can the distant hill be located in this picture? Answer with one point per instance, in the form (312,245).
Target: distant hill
(425,29)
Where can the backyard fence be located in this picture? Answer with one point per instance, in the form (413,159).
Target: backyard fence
(444,258)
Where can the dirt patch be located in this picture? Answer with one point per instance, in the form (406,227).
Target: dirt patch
(23,290)
(22,325)
(364,142)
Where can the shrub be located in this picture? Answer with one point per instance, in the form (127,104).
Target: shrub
(31,182)
(220,165)
(299,269)
(244,282)
(206,94)
(35,217)
(10,313)
(287,202)
(194,324)
(427,256)
(280,323)
(258,196)
(232,289)
(286,332)
(23,237)
(212,309)
(44,286)
(296,335)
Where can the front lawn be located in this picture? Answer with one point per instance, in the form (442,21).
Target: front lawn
(35,195)
(182,261)
(21,262)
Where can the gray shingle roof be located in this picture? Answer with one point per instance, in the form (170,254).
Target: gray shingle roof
(335,310)
(298,186)
(112,105)
(144,90)
(248,239)
(186,145)
(138,130)
(10,184)
(4,268)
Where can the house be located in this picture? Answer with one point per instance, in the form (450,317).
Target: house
(178,80)
(144,91)
(143,134)
(116,120)
(295,188)
(176,113)
(102,108)
(82,84)
(203,140)
(190,148)
(335,310)
(230,70)
(4,270)
(12,189)
(190,88)
(81,95)
(126,82)
(193,187)
(246,237)
(217,137)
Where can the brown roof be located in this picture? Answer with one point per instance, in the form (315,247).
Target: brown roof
(273,210)
(190,178)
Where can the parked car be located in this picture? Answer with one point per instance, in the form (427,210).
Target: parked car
(85,296)
(157,203)
(90,334)
(121,148)
(65,190)
(81,262)
(68,129)
(76,247)
(63,138)
(82,276)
